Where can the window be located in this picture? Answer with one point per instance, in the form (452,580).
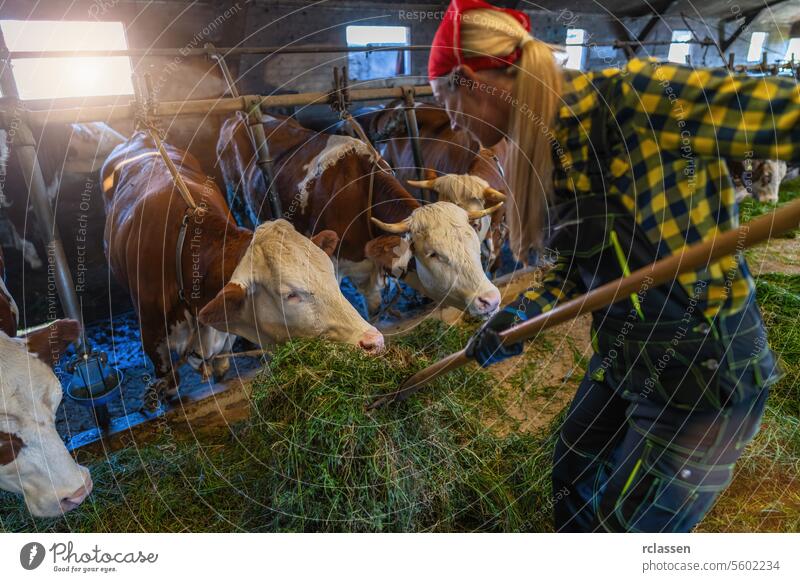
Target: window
(678,49)
(793,49)
(45,78)
(574,48)
(376,65)
(756,46)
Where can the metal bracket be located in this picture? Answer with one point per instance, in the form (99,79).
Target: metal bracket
(340,94)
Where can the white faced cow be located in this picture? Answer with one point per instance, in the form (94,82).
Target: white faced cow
(265,285)
(33,459)
(760,179)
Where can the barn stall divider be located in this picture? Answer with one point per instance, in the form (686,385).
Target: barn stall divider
(214,405)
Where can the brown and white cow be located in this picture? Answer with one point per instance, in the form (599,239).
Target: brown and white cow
(760,179)
(266,286)
(33,459)
(458,168)
(334,182)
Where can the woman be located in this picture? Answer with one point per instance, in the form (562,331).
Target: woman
(614,170)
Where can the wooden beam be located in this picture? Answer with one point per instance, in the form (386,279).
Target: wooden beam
(634,46)
(748,19)
(219,106)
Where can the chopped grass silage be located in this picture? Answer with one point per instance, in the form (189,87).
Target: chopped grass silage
(312,459)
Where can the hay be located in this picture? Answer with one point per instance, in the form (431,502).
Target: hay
(312,459)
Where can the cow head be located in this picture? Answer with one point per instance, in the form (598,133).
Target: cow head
(284,287)
(446,250)
(33,459)
(767,177)
(472,193)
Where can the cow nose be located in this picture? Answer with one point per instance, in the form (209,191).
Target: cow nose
(487,302)
(76,498)
(371,341)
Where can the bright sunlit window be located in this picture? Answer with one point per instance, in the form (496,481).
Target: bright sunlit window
(678,49)
(365,65)
(46,78)
(756,46)
(793,49)
(574,48)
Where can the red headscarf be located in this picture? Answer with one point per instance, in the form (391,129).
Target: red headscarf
(446,53)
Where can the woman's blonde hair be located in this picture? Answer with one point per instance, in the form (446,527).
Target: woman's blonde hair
(536,94)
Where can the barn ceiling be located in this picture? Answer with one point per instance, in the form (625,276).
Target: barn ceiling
(772,11)
(778,10)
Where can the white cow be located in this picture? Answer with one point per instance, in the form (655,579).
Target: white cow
(447,253)
(760,179)
(33,459)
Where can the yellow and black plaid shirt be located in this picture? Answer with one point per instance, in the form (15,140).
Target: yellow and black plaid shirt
(678,125)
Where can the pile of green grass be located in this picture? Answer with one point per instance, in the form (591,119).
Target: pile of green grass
(312,459)
(779,299)
(765,495)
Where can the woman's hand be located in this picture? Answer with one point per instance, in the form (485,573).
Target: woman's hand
(486,348)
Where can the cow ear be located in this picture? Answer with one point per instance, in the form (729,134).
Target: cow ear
(390,253)
(49,343)
(221,309)
(327,240)
(10,446)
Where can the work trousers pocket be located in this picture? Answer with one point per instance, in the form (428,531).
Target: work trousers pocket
(666,492)
(685,376)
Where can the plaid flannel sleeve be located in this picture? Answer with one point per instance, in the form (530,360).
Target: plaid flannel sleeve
(713,113)
(559,284)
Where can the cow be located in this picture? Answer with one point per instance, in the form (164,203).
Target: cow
(33,459)
(335,182)
(266,285)
(458,168)
(760,179)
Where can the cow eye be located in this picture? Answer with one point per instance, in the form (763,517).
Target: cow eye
(293,297)
(433,255)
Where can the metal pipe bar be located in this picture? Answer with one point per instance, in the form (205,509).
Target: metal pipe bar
(266,50)
(203,51)
(219,106)
(413,134)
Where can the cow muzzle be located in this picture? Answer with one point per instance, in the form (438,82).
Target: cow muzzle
(485,304)
(77,497)
(372,341)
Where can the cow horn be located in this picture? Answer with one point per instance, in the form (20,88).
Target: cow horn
(422,184)
(394,227)
(476,214)
(494,195)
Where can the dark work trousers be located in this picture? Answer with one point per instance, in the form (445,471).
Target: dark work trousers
(658,422)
